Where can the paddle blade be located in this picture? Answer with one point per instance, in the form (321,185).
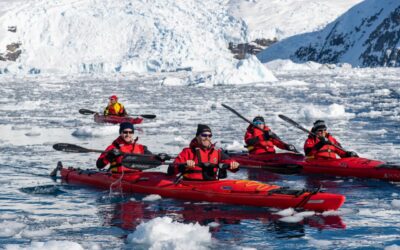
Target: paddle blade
(71,148)
(148,116)
(87,112)
(140,162)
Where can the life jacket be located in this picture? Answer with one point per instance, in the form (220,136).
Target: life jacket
(116,109)
(200,155)
(262,146)
(130,148)
(326,151)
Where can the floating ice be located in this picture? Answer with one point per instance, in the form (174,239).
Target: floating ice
(53,245)
(163,233)
(152,197)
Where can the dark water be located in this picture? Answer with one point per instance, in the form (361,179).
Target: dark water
(35,114)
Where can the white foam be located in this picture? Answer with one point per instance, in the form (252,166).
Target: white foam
(164,233)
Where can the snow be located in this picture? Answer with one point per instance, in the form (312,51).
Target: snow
(129,36)
(282,19)
(164,233)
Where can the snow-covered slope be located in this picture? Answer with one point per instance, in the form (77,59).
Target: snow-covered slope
(284,18)
(72,36)
(367,35)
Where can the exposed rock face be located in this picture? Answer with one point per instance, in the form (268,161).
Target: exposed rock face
(368,35)
(12,53)
(240,50)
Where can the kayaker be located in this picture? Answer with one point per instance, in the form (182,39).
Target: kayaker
(114,107)
(321,145)
(125,143)
(262,140)
(201,150)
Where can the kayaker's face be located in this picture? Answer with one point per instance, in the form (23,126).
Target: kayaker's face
(127,135)
(113,101)
(259,124)
(321,132)
(204,139)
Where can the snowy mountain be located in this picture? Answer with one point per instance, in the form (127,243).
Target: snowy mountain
(367,35)
(137,36)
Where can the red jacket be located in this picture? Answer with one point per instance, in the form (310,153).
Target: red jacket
(313,150)
(256,143)
(207,155)
(115,164)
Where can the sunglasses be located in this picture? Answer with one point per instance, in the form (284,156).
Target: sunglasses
(127,132)
(206,135)
(258,123)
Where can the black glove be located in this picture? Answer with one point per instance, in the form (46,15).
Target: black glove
(292,148)
(322,142)
(112,154)
(351,154)
(267,135)
(162,157)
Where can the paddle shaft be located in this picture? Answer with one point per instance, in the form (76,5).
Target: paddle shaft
(297,125)
(247,120)
(90,112)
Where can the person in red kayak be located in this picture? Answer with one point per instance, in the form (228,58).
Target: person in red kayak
(125,143)
(114,107)
(321,145)
(192,161)
(262,140)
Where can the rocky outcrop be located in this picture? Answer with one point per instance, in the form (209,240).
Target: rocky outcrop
(240,50)
(12,53)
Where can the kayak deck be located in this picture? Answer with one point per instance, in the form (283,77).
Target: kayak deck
(239,192)
(116,119)
(349,167)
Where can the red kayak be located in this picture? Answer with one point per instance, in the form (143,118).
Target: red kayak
(297,163)
(116,119)
(239,192)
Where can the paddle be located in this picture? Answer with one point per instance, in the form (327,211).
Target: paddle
(130,158)
(248,121)
(90,112)
(297,125)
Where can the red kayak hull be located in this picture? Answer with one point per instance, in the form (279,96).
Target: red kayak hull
(351,167)
(116,119)
(238,192)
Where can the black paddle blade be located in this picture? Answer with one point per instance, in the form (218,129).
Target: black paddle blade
(140,162)
(148,116)
(87,112)
(71,148)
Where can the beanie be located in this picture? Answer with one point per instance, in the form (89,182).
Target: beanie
(202,128)
(319,124)
(259,118)
(125,125)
